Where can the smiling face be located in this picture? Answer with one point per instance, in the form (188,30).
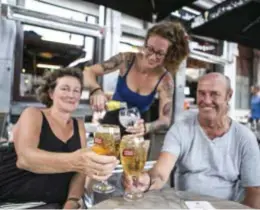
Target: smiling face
(213,96)
(155,51)
(66,94)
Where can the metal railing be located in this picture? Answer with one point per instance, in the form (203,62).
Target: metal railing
(52,21)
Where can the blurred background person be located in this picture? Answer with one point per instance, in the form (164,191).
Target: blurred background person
(255,110)
(255,103)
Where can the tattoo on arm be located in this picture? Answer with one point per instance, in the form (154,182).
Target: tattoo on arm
(167,108)
(113,63)
(167,87)
(160,124)
(166,95)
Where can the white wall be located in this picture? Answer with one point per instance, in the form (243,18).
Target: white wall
(132,40)
(131,21)
(85,7)
(12,2)
(66,12)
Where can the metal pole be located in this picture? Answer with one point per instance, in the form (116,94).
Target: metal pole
(230,70)
(52,21)
(179,96)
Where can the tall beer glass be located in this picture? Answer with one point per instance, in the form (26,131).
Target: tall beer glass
(106,142)
(133,154)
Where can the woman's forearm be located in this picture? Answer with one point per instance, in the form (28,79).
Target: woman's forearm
(156,125)
(77,186)
(90,79)
(75,192)
(40,161)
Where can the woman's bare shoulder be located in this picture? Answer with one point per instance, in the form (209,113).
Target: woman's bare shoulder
(82,132)
(127,58)
(167,83)
(80,123)
(31,114)
(30,120)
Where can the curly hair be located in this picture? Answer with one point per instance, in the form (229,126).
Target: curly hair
(176,34)
(49,83)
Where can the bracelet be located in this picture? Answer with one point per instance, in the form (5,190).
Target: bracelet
(75,200)
(95,90)
(150,183)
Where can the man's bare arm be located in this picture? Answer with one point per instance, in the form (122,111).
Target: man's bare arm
(252,197)
(161,171)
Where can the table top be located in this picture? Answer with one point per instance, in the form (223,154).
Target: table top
(166,199)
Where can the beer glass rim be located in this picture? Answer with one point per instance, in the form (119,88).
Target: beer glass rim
(108,125)
(107,128)
(129,109)
(128,136)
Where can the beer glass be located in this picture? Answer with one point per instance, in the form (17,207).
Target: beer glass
(106,142)
(133,154)
(129,116)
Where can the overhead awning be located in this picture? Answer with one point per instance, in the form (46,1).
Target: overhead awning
(233,20)
(144,9)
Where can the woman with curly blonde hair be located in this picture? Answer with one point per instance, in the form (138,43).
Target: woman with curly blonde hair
(143,75)
(52,159)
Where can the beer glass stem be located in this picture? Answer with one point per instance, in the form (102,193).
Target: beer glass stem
(135,194)
(105,182)
(103,187)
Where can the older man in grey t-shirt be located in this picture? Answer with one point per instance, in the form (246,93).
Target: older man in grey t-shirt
(214,155)
(219,167)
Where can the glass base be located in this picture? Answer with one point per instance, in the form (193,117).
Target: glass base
(103,188)
(133,196)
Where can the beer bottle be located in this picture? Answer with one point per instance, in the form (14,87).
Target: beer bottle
(114,105)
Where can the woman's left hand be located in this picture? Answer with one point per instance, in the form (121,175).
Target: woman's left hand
(138,128)
(69,204)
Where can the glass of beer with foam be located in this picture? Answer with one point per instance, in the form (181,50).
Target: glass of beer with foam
(106,142)
(133,155)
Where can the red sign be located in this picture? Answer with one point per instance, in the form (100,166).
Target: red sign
(128,152)
(98,140)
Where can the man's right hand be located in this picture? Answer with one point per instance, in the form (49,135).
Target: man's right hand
(142,183)
(97,167)
(98,101)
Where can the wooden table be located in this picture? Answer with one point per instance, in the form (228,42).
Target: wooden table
(166,199)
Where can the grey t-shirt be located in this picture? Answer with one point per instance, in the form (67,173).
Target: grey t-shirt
(221,167)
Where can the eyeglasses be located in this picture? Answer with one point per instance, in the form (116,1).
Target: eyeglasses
(150,51)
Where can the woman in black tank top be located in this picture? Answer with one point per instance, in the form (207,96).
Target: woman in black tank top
(48,163)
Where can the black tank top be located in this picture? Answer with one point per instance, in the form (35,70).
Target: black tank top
(23,186)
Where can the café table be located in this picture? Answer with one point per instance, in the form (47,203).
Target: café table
(166,199)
